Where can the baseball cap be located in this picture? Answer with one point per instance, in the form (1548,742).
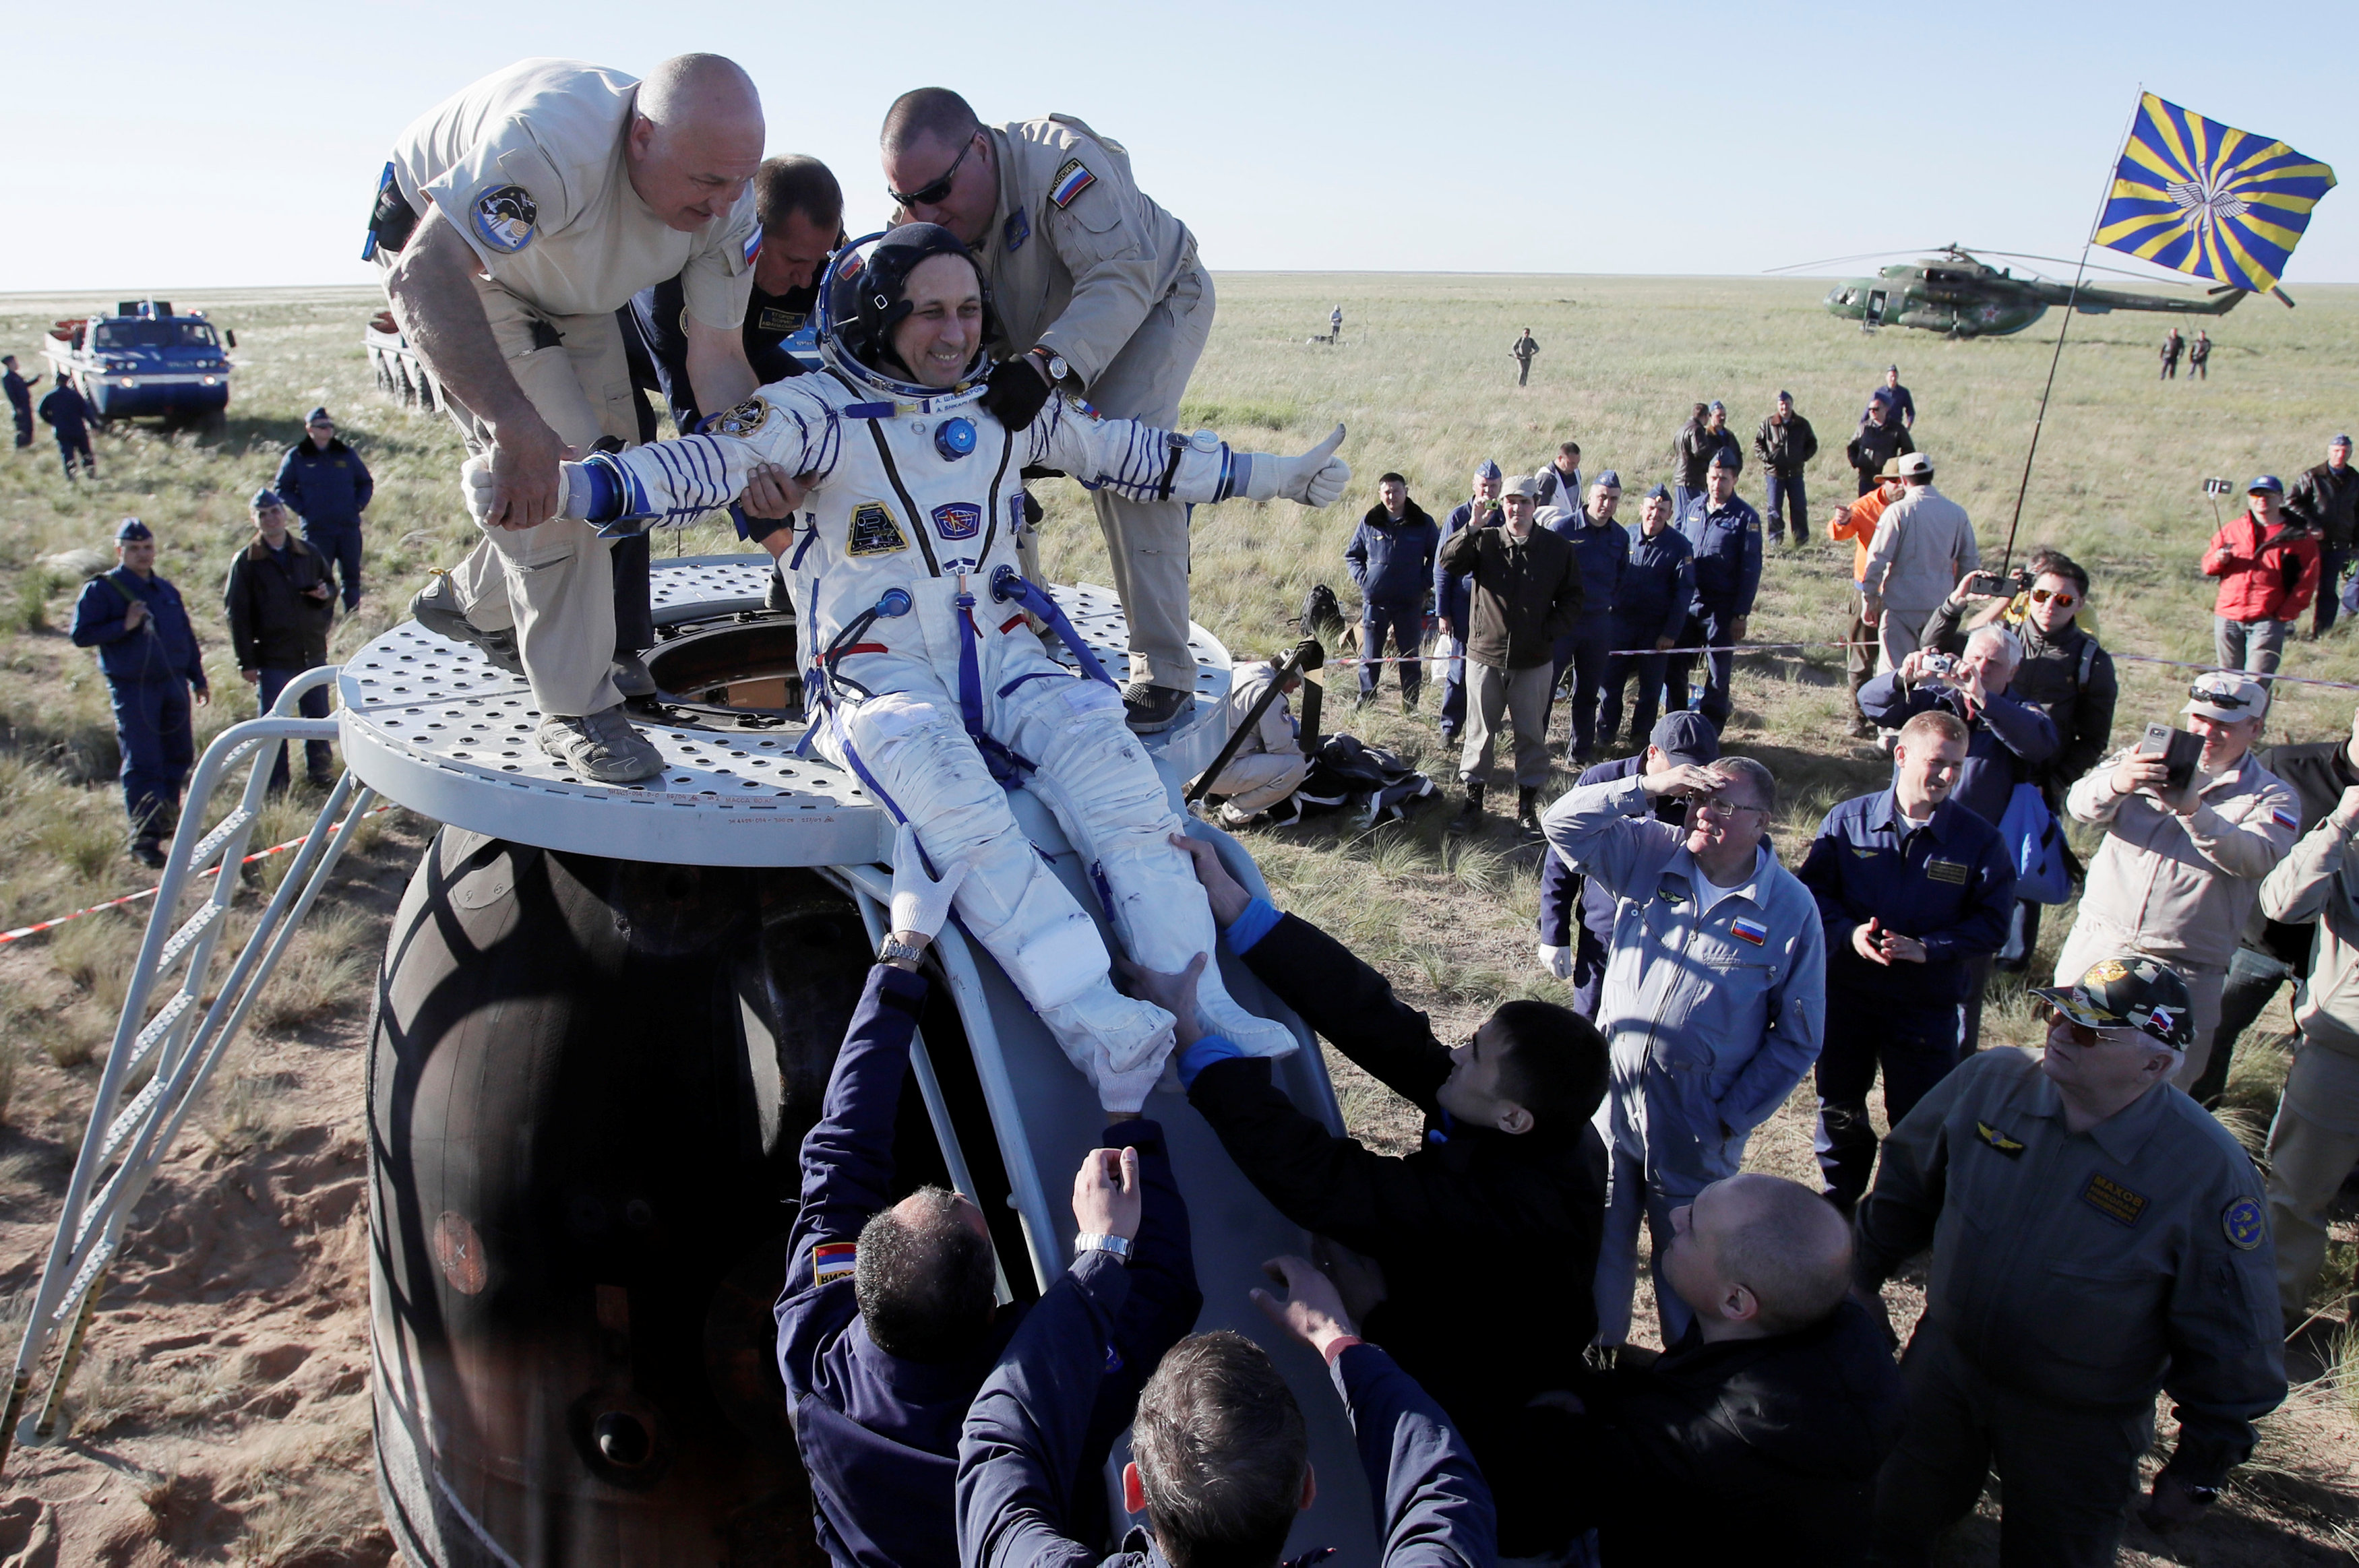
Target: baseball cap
(2343,441)
(2266,483)
(1686,736)
(1881,394)
(2129,991)
(1522,485)
(318,416)
(1486,469)
(1915,464)
(131,530)
(2227,696)
(264,497)
(1660,493)
(1609,477)
(1717,406)
(1726,457)
(1894,370)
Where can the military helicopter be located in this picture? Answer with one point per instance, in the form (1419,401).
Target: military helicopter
(1961,296)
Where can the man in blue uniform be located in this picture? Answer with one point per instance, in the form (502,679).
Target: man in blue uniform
(1391,556)
(1650,611)
(324,482)
(149,652)
(20,398)
(1453,597)
(1725,533)
(887,1327)
(1912,887)
(1601,549)
(68,417)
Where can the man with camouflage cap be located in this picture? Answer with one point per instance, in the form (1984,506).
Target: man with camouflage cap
(2096,1237)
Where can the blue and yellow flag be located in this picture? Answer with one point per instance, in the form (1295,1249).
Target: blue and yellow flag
(2204,198)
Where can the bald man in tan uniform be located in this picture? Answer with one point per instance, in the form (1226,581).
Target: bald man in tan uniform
(513,219)
(1101,289)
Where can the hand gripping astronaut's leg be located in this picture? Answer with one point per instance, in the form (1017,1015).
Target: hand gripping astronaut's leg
(928,685)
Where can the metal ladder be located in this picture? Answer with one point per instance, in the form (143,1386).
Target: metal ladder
(181,1043)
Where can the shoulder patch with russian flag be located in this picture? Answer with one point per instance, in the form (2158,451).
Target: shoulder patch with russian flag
(753,244)
(832,1261)
(2288,820)
(1071,179)
(1745,930)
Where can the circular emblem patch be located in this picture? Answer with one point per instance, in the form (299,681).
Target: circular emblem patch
(742,420)
(2243,1224)
(503,218)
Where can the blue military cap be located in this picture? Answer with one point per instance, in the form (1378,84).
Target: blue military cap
(1610,480)
(1726,457)
(1685,736)
(131,530)
(264,497)
(318,416)
(1717,406)
(1784,396)
(2342,441)
(2267,483)
(1660,493)
(1486,469)
(1881,394)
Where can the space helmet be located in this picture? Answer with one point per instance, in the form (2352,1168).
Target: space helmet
(865,296)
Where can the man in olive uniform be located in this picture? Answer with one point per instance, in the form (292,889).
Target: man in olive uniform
(515,219)
(2096,1237)
(1099,291)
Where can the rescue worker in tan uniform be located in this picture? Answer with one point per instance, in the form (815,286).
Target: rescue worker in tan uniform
(1097,291)
(1269,765)
(513,219)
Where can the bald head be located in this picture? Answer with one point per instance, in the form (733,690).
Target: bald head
(695,139)
(1757,1255)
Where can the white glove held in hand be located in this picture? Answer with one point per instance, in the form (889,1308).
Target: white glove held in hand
(1557,961)
(476,487)
(1317,478)
(920,902)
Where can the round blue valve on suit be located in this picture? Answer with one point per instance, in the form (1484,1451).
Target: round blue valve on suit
(896,603)
(954,438)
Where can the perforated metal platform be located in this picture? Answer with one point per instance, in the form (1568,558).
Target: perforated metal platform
(432,724)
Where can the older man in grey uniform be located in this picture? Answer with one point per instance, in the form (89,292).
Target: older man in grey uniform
(2097,1236)
(513,219)
(1097,291)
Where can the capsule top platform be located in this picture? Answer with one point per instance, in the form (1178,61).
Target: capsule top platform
(435,726)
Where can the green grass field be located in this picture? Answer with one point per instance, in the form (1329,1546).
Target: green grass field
(1423,380)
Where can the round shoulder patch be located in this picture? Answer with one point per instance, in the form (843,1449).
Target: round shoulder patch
(2246,1228)
(742,420)
(503,216)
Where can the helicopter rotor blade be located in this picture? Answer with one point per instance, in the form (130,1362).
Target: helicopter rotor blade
(2092,266)
(1841,261)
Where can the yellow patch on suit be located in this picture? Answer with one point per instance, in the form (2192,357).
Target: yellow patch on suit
(1951,872)
(874,531)
(2113,1200)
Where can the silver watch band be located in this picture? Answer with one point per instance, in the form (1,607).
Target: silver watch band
(1099,1241)
(891,951)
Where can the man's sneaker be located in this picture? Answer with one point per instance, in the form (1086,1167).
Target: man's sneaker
(147,852)
(436,607)
(1151,710)
(1231,818)
(601,746)
(631,677)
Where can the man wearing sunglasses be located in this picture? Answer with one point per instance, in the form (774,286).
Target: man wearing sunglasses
(2267,564)
(1096,290)
(2097,1239)
(2180,868)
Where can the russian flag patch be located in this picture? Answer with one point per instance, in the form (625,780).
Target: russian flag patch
(753,244)
(832,1261)
(2286,819)
(1751,931)
(1071,180)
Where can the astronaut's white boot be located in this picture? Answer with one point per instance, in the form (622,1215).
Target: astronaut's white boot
(1120,1043)
(1226,1017)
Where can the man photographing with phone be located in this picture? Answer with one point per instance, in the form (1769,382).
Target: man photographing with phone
(2181,864)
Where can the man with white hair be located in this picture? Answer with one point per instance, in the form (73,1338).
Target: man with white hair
(2183,861)
(2097,1239)
(513,219)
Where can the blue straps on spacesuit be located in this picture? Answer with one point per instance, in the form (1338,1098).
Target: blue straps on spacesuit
(1007,583)
(1008,765)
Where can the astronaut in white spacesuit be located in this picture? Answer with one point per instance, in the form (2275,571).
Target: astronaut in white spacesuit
(926,680)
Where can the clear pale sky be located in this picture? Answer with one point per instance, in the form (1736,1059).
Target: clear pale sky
(161,145)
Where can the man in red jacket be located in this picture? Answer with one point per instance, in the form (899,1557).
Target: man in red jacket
(2268,569)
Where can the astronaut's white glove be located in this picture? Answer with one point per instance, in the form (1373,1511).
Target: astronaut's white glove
(475,486)
(1557,961)
(920,902)
(1317,478)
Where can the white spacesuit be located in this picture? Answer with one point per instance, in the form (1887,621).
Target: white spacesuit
(930,687)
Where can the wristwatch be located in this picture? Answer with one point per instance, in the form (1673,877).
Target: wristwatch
(892,951)
(1054,364)
(1099,1241)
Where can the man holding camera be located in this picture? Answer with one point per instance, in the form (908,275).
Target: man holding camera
(2267,564)
(2187,843)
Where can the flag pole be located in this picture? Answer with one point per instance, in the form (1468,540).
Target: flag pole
(2112,171)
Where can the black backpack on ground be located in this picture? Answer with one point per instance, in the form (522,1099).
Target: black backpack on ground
(1346,773)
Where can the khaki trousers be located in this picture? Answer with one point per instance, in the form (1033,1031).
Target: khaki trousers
(1146,541)
(2312,1145)
(1259,780)
(1498,699)
(1899,636)
(555,583)
(2092,939)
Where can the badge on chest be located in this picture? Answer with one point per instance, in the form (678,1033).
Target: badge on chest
(875,531)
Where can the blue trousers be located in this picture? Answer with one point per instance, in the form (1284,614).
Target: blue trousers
(1916,1049)
(2333,560)
(1585,652)
(1788,504)
(24,413)
(151,725)
(340,543)
(1680,496)
(1649,669)
(73,446)
(1405,622)
(312,703)
(1708,630)
(1453,690)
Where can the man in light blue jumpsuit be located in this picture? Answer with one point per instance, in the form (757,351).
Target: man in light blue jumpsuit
(1713,1000)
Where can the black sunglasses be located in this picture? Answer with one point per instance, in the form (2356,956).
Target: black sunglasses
(2231,701)
(926,194)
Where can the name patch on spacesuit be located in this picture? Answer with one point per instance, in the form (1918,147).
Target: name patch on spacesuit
(742,420)
(958,520)
(874,531)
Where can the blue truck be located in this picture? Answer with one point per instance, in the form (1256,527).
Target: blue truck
(146,362)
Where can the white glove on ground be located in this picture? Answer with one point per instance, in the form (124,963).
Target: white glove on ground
(1317,478)
(920,902)
(1557,961)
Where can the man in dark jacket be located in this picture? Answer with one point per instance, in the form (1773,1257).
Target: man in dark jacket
(149,652)
(1508,1181)
(1601,552)
(1650,611)
(1725,533)
(279,601)
(1391,556)
(1757,1436)
(1704,435)
(68,417)
(887,1327)
(1219,1460)
(324,482)
(1881,437)
(20,398)
(2327,498)
(1453,599)
(1784,446)
(1525,594)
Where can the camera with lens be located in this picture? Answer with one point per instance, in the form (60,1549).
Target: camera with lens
(1992,585)
(1941,667)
